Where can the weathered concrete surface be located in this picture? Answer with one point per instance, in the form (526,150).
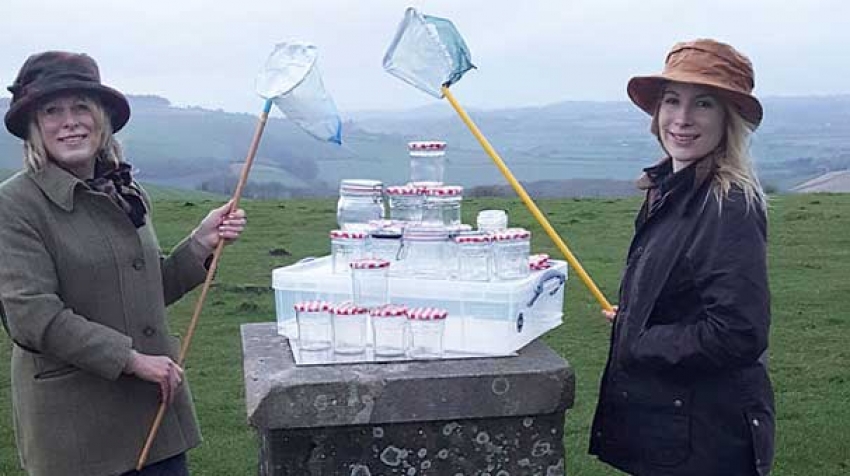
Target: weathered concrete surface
(518,446)
(502,416)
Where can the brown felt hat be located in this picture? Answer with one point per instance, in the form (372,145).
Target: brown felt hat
(44,75)
(707,63)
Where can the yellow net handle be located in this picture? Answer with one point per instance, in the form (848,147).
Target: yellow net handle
(529,203)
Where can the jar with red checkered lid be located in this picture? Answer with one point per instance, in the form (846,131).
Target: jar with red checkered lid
(346,245)
(370,282)
(442,205)
(427,162)
(511,248)
(473,256)
(405,203)
(427,326)
(350,322)
(315,330)
(389,330)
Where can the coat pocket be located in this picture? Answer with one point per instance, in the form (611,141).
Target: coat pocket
(47,368)
(761,428)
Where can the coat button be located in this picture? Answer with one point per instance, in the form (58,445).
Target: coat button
(625,394)
(639,250)
(756,422)
(677,403)
(138,264)
(148,331)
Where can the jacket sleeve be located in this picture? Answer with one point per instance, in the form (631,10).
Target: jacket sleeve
(728,261)
(37,317)
(182,270)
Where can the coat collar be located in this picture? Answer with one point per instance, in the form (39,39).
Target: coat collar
(57,184)
(685,182)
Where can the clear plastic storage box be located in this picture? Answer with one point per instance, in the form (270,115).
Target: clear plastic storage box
(488,318)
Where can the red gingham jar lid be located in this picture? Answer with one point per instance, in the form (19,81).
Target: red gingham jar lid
(473,238)
(312,306)
(390,310)
(512,234)
(349,309)
(369,263)
(434,145)
(347,235)
(444,191)
(406,190)
(426,313)
(539,261)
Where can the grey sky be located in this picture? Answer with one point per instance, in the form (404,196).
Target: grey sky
(529,52)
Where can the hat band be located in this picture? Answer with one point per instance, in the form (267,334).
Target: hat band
(18,91)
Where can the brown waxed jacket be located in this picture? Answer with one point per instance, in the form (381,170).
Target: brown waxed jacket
(81,287)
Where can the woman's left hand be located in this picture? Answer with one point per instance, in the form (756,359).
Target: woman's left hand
(220,224)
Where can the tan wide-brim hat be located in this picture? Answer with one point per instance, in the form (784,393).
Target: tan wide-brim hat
(707,63)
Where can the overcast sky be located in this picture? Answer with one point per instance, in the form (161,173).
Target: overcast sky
(528,52)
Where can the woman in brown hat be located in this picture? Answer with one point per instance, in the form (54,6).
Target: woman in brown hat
(686,389)
(84,286)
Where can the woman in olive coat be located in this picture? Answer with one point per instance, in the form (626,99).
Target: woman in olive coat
(686,390)
(84,286)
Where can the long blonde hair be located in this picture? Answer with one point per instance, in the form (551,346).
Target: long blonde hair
(109,151)
(735,166)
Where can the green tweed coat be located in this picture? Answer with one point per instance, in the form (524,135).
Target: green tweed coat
(81,287)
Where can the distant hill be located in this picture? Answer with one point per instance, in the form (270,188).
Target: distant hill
(194,148)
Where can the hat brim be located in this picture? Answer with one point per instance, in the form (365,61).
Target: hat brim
(645,92)
(116,105)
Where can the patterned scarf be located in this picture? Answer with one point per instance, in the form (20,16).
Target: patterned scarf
(118,184)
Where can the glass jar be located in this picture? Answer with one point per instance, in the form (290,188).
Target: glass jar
(406,202)
(349,328)
(345,247)
(492,220)
(511,248)
(451,248)
(427,162)
(370,282)
(427,325)
(389,330)
(442,205)
(315,330)
(473,256)
(360,201)
(424,251)
(385,243)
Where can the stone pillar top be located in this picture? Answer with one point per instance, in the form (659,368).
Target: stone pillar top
(280,395)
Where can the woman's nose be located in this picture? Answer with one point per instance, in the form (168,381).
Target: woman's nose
(684,115)
(68,118)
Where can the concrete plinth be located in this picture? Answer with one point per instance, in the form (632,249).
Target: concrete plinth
(502,416)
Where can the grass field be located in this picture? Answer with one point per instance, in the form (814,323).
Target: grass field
(809,269)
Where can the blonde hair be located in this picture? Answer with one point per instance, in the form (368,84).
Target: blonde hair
(109,151)
(735,165)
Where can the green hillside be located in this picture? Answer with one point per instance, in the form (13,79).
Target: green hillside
(809,251)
